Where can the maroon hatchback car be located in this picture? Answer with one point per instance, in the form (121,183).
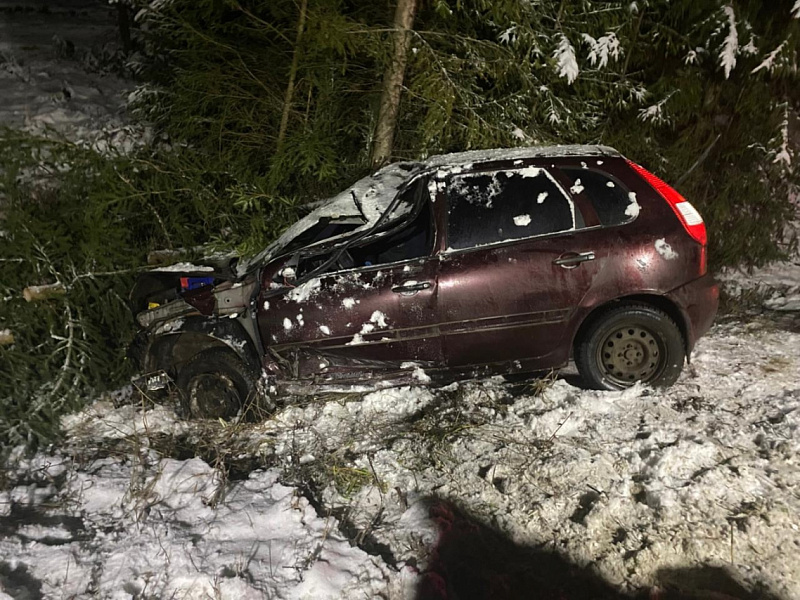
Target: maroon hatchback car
(467,264)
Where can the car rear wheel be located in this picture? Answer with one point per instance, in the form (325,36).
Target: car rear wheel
(631,343)
(216,384)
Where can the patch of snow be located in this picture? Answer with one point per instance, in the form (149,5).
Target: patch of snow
(266,304)
(378,318)
(769,61)
(53,81)
(610,184)
(300,320)
(750,48)
(730,46)
(101,420)
(349,303)
(633,209)
(158,526)
(522,220)
(287,324)
(602,49)
(566,64)
(656,113)
(519,134)
(530,172)
(784,154)
(577,188)
(420,375)
(508,36)
(358,338)
(665,250)
(325,329)
(305,291)
(541,197)
(778,284)
(183,267)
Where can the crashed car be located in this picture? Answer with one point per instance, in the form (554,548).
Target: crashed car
(477,263)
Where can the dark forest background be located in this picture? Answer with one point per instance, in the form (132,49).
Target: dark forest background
(260,107)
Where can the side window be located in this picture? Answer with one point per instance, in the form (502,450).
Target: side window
(494,207)
(611,202)
(414,240)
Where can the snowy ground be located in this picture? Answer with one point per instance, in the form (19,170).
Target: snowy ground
(355,496)
(482,489)
(775,286)
(55,72)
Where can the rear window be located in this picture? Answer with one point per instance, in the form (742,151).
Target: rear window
(611,202)
(494,207)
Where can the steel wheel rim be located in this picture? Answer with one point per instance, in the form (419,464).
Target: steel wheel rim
(631,353)
(213,395)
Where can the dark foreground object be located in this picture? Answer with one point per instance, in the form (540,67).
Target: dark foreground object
(472,561)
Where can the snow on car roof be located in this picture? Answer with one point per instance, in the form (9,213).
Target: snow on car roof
(558,151)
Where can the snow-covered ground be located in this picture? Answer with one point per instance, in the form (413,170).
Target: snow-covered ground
(480,489)
(775,286)
(55,75)
(342,496)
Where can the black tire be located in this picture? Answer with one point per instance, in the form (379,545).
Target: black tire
(216,384)
(630,343)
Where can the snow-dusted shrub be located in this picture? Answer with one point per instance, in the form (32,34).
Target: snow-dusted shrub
(79,224)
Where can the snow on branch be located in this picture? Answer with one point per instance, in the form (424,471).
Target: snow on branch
(769,62)
(509,36)
(656,113)
(566,65)
(784,154)
(796,9)
(730,47)
(603,48)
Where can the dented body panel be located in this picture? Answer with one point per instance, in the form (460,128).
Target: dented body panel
(378,299)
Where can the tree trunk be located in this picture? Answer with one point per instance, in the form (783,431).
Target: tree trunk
(287,102)
(393,82)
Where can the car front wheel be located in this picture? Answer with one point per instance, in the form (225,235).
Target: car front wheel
(216,384)
(631,343)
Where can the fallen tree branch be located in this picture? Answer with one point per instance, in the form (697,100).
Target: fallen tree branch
(35,293)
(6,337)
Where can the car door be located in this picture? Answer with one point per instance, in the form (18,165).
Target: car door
(515,268)
(363,321)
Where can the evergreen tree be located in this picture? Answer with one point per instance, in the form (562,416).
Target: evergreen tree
(265,105)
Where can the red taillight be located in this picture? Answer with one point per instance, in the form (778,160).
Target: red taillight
(687,214)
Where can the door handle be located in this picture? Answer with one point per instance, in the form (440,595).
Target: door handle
(570,260)
(410,288)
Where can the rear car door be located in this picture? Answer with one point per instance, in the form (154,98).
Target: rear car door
(515,268)
(366,320)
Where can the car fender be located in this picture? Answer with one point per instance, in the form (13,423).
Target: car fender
(174,342)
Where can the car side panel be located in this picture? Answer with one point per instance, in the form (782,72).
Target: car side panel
(511,302)
(353,323)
